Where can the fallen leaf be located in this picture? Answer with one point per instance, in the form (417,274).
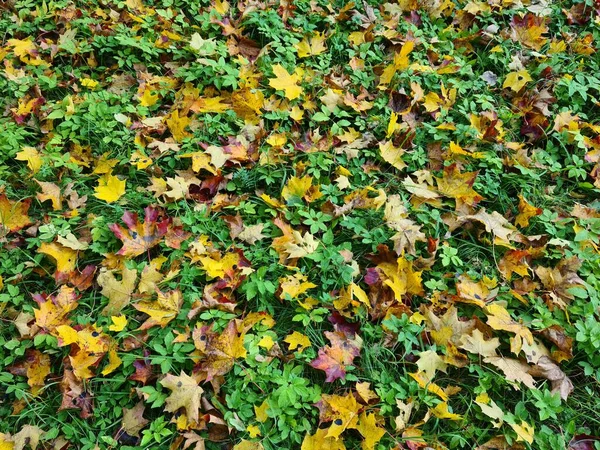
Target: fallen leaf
(185,393)
(297,341)
(162,310)
(133,420)
(334,358)
(118,292)
(140,237)
(13,215)
(110,188)
(283,81)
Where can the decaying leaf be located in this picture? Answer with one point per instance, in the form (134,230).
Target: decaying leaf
(334,358)
(185,393)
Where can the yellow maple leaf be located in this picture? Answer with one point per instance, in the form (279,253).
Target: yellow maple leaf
(526,212)
(110,188)
(525,432)
(118,292)
(113,362)
(13,215)
(297,187)
(311,46)
(441,412)
(88,83)
(148,98)
(33,158)
(65,258)
(516,80)
(424,382)
(401,277)
(67,335)
(253,431)
(118,323)
(50,191)
(294,285)
(392,155)
(161,311)
(177,126)
(25,49)
(283,81)
(261,411)
(297,341)
(370,430)
(321,441)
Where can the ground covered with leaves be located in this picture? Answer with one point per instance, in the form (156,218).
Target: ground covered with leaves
(300,225)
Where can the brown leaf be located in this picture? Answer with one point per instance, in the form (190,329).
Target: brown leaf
(133,420)
(546,368)
(557,335)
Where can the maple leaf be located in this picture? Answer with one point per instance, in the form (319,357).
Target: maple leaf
(162,310)
(402,278)
(133,419)
(248,445)
(364,390)
(293,286)
(297,341)
(247,103)
(185,393)
(29,435)
(218,350)
(475,292)
(140,237)
(177,126)
(110,188)
(117,292)
(283,81)
(65,258)
(517,80)
(458,186)
(401,62)
(392,155)
(53,310)
(529,30)
(441,412)
(334,358)
(33,158)
(558,281)
(548,369)
(424,382)
(13,215)
(36,367)
(370,430)
(499,319)
(559,338)
(321,441)
(26,50)
(311,46)
(430,362)
(118,323)
(74,394)
(514,261)
(490,409)
(251,234)
(494,223)
(476,343)
(297,187)
(302,245)
(341,410)
(513,369)
(525,432)
(71,241)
